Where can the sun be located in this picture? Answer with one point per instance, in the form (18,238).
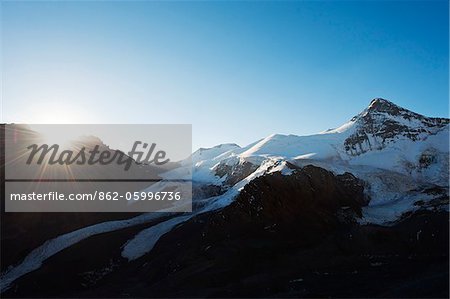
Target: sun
(56,134)
(55,112)
(57,122)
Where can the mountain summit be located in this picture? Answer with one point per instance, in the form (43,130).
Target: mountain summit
(382,122)
(383,105)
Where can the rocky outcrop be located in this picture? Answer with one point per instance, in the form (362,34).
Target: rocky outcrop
(307,193)
(234,173)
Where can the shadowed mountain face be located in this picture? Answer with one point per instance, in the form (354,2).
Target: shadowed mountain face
(310,195)
(282,236)
(286,216)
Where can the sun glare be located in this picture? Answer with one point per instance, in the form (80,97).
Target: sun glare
(54,112)
(46,117)
(56,135)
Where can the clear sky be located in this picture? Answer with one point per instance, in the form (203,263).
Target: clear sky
(238,71)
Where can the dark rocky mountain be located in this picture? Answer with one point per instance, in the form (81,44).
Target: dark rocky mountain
(294,236)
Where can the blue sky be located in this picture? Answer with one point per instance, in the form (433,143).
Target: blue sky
(238,71)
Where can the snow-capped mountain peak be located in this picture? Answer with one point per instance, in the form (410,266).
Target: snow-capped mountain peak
(383,105)
(383,122)
(384,138)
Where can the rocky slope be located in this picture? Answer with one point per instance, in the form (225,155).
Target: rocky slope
(282,236)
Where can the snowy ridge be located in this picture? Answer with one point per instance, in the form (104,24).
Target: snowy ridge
(404,149)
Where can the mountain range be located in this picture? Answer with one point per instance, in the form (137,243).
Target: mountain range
(356,211)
